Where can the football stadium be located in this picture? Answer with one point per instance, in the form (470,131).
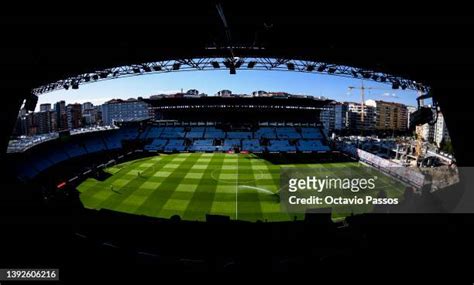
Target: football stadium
(201,160)
(157,170)
(222,136)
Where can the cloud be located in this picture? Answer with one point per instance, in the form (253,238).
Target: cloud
(391,95)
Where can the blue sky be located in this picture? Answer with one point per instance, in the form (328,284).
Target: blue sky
(245,81)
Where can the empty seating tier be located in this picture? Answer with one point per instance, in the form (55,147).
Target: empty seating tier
(287,133)
(213,133)
(239,135)
(178,139)
(156,145)
(175,145)
(281,146)
(196,133)
(173,133)
(311,133)
(265,133)
(252,145)
(311,145)
(203,145)
(154,132)
(231,144)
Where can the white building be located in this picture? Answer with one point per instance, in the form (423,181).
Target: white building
(224,93)
(426,132)
(260,93)
(440,131)
(355,121)
(410,110)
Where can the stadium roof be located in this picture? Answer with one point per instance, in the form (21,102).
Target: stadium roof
(425,46)
(389,42)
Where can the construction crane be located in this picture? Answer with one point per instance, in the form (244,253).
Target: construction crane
(419,133)
(362,89)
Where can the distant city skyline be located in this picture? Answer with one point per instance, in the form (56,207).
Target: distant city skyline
(244,82)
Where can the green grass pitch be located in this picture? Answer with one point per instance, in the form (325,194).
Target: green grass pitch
(192,185)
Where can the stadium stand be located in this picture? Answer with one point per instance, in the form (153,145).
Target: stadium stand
(143,134)
(311,145)
(23,144)
(74,149)
(231,144)
(239,135)
(57,155)
(287,133)
(178,138)
(175,145)
(265,132)
(156,145)
(173,132)
(129,133)
(252,145)
(281,146)
(94,145)
(114,141)
(203,145)
(213,133)
(311,133)
(153,132)
(196,133)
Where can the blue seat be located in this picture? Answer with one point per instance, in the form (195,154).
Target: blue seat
(265,132)
(281,146)
(312,145)
(203,145)
(311,133)
(287,133)
(156,145)
(252,145)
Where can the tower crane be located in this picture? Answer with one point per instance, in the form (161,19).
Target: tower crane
(419,132)
(362,89)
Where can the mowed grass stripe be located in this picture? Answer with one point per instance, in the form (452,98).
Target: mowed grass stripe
(201,202)
(135,193)
(99,191)
(137,175)
(96,195)
(194,184)
(179,201)
(270,204)
(248,199)
(153,205)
